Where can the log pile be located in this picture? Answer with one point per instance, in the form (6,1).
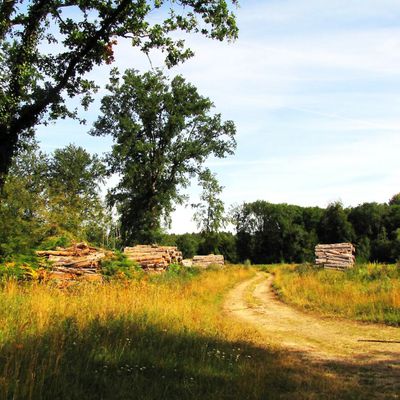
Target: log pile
(187,262)
(153,258)
(79,261)
(206,261)
(335,256)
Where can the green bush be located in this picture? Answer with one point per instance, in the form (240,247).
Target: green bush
(120,267)
(21,268)
(52,242)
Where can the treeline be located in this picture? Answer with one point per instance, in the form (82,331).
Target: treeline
(48,197)
(51,198)
(270,233)
(274,233)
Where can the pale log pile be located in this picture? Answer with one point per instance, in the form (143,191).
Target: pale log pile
(79,261)
(187,262)
(335,256)
(206,261)
(153,258)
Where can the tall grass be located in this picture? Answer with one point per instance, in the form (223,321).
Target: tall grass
(369,292)
(150,338)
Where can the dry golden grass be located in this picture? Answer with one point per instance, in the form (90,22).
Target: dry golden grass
(159,338)
(370,292)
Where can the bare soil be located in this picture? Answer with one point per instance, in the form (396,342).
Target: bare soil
(369,352)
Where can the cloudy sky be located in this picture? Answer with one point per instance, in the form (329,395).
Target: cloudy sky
(314,89)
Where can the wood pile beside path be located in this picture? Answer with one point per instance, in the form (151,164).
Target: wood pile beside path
(206,261)
(79,261)
(335,256)
(154,258)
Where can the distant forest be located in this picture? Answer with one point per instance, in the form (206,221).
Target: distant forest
(273,233)
(51,199)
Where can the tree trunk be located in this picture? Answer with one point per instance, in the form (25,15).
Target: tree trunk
(8,146)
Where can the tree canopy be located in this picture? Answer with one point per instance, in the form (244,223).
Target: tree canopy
(163,133)
(53,195)
(73,185)
(209,214)
(269,233)
(48,46)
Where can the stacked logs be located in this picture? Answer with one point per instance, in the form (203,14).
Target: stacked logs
(335,256)
(206,261)
(153,258)
(79,261)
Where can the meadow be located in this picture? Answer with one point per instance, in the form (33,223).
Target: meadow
(369,292)
(160,337)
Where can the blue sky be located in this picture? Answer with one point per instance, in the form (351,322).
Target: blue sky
(314,89)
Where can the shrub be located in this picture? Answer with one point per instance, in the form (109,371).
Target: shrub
(120,267)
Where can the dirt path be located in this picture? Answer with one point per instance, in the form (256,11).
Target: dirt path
(368,349)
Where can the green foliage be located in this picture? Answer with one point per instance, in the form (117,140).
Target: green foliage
(188,244)
(120,267)
(181,271)
(50,200)
(334,226)
(395,200)
(271,233)
(21,268)
(227,246)
(75,207)
(209,213)
(176,274)
(23,205)
(12,271)
(77,36)
(163,133)
(51,242)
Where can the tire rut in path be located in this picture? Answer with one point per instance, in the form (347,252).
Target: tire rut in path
(369,348)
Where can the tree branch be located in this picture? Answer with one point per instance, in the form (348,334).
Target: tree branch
(30,114)
(6,10)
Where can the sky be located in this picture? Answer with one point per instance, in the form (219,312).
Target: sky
(314,89)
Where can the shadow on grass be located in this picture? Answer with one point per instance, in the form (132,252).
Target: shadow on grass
(127,359)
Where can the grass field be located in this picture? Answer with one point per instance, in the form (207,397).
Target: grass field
(152,338)
(369,292)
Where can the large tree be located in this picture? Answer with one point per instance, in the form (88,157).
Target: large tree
(163,133)
(47,47)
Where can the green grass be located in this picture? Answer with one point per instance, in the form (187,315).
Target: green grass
(161,337)
(369,292)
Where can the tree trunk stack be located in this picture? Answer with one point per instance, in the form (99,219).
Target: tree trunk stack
(206,261)
(153,258)
(335,256)
(79,261)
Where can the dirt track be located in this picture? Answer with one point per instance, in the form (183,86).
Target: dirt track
(369,350)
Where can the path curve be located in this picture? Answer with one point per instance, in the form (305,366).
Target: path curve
(319,339)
